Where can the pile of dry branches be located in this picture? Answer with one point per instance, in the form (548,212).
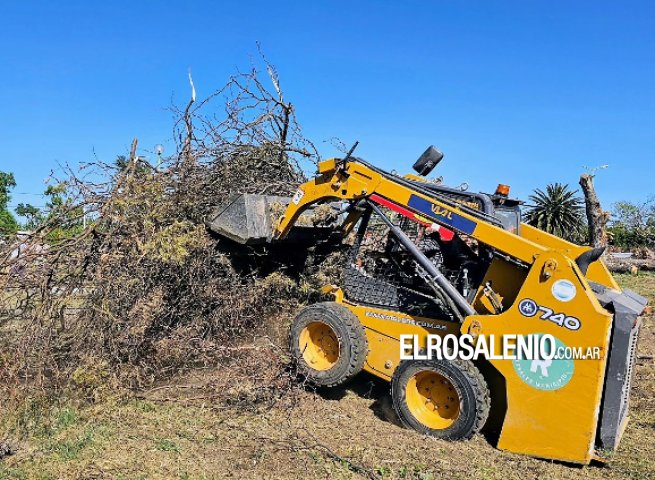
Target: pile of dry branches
(123,284)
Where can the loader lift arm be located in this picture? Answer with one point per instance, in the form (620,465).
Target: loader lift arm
(355,180)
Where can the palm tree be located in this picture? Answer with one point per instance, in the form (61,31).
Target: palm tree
(558,211)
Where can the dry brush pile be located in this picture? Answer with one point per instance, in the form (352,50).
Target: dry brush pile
(140,291)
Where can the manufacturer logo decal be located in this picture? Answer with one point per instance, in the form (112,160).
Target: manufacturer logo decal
(530,308)
(442,214)
(563,290)
(545,374)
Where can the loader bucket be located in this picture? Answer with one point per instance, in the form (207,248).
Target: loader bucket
(249,219)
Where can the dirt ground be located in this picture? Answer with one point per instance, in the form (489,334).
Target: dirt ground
(345,433)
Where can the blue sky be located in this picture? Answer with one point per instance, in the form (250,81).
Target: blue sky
(518,92)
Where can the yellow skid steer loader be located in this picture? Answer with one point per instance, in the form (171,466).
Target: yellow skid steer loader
(430,260)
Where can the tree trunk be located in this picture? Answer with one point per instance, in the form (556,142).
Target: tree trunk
(596,217)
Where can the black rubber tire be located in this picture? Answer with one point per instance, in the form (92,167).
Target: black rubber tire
(469,384)
(353,346)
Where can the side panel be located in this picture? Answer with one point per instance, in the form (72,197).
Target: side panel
(383,330)
(552,408)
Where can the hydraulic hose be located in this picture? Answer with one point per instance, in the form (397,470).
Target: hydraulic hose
(463,307)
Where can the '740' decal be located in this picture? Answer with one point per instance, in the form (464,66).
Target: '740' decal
(529,308)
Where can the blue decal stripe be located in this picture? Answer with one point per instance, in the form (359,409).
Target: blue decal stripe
(442,215)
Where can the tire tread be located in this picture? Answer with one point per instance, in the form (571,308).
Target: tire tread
(356,339)
(480,392)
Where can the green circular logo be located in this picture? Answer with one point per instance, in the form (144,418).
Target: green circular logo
(542,373)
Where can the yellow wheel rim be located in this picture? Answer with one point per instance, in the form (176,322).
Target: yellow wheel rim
(432,399)
(319,346)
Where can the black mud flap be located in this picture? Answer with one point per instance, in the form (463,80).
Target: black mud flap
(627,306)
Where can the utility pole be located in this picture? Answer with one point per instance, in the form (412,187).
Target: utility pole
(159,150)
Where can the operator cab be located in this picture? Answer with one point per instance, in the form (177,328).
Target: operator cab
(507,210)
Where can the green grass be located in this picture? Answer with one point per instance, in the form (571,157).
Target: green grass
(71,449)
(166,445)
(643,283)
(148,439)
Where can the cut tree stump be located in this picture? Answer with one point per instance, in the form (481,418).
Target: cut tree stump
(596,216)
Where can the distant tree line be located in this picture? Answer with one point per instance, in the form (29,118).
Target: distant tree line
(8,223)
(633,225)
(58,204)
(560,210)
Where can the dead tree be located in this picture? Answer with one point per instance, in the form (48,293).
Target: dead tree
(596,217)
(139,287)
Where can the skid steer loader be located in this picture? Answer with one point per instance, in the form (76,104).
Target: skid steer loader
(428,259)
